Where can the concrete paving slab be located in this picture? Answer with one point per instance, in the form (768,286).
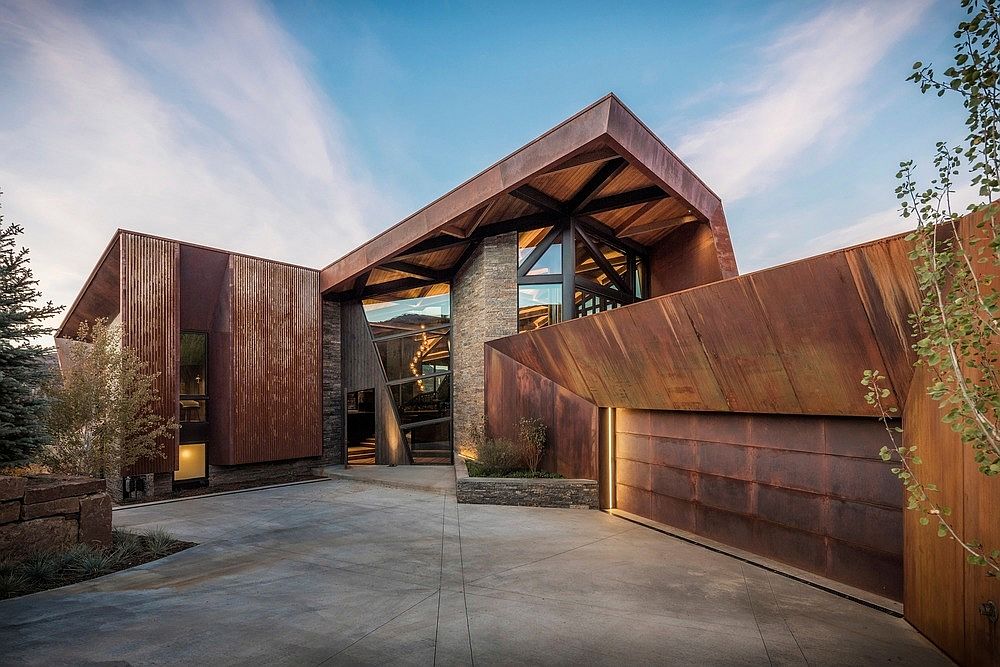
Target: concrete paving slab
(424,478)
(347,572)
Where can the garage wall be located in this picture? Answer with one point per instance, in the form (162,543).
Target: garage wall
(808,491)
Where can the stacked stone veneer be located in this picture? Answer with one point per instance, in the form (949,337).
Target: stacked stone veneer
(483,307)
(525,492)
(51,512)
(333,402)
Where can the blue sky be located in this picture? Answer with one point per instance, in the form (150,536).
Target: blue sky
(296,130)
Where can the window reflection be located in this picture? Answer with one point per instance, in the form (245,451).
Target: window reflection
(588,303)
(416,355)
(401,313)
(193,377)
(423,399)
(412,335)
(538,306)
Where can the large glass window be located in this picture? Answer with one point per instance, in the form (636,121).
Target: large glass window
(548,261)
(412,336)
(588,303)
(402,313)
(538,305)
(194,376)
(606,273)
(192,458)
(414,355)
(424,399)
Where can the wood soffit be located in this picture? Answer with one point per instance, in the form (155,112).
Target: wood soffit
(602,163)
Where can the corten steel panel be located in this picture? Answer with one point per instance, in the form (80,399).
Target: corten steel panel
(571,422)
(150,311)
(791,340)
(220,373)
(201,274)
(943,592)
(934,599)
(817,301)
(685,258)
(276,364)
(816,505)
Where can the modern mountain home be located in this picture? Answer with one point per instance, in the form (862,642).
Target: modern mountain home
(587,279)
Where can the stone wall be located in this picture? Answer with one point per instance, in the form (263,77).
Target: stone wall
(483,307)
(566,493)
(48,512)
(333,400)
(272,472)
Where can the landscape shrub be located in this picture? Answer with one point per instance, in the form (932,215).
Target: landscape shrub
(500,457)
(530,442)
(48,569)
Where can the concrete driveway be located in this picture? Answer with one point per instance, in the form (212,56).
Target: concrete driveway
(343,572)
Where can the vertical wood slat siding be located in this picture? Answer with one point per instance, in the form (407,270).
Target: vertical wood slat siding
(276,315)
(359,361)
(150,311)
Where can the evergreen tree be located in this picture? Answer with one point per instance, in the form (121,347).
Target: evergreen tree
(22,360)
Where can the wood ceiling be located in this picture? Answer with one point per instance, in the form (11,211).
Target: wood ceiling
(601,167)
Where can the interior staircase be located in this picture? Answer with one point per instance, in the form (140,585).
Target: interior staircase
(431,453)
(361,453)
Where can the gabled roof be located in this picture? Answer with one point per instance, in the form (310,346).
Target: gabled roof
(602,166)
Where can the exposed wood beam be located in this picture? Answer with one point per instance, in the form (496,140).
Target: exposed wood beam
(395,286)
(480,216)
(603,263)
(414,270)
(602,229)
(604,175)
(525,222)
(359,284)
(466,254)
(631,198)
(596,155)
(452,230)
(636,215)
(538,198)
(658,225)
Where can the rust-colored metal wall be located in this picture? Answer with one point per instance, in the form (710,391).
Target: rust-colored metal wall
(274,354)
(809,491)
(150,312)
(790,340)
(686,258)
(773,355)
(943,592)
(571,421)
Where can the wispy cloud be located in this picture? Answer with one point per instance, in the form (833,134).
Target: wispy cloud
(808,85)
(875,226)
(201,122)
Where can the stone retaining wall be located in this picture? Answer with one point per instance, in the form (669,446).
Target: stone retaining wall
(525,492)
(46,512)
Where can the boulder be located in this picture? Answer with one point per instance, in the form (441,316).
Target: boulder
(10,511)
(19,540)
(11,488)
(42,488)
(51,508)
(95,520)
